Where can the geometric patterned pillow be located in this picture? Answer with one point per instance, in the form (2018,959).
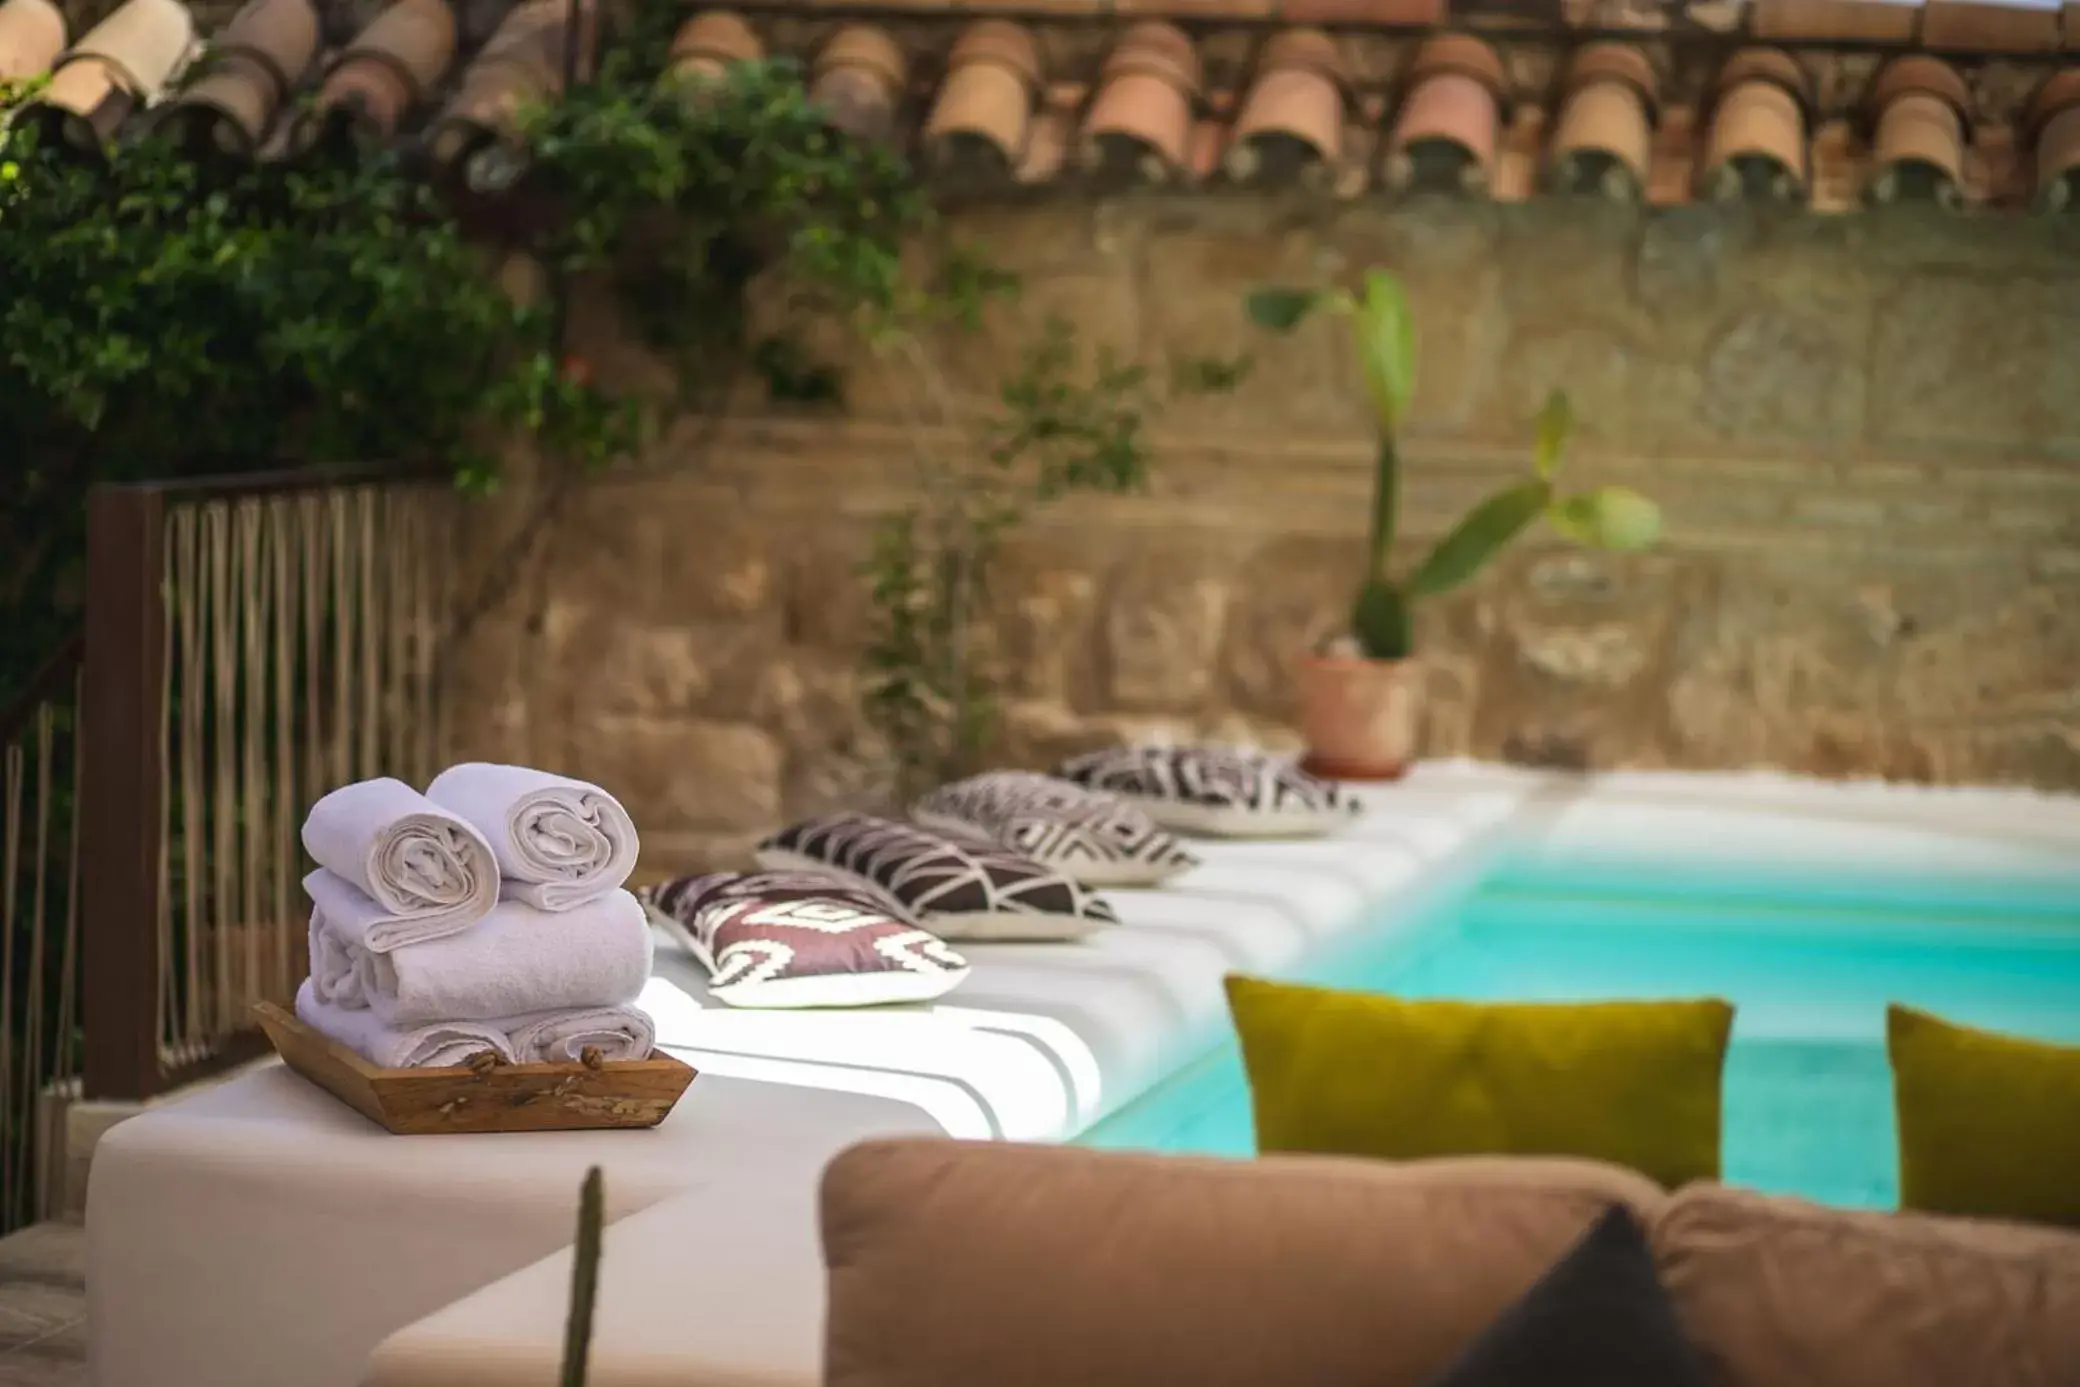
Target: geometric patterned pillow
(1095,838)
(960,890)
(1220,791)
(802,939)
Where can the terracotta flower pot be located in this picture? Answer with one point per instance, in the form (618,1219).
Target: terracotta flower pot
(1139,128)
(1756,145)
(1359,716)
(390,67)
(980,124)
(707,45)
(1920,105)
(32,35)
(1291,125)
(858,80)
(246,76)
(1444,135)
(120,66)
(1603,143)
(2054,126)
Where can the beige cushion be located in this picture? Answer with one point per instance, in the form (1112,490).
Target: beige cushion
(956,1264)
(1782,1293)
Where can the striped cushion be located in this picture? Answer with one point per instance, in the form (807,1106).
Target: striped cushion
(1217,790)
(959,890)
(1098,839)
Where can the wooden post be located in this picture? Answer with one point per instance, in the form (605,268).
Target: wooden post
(122,743)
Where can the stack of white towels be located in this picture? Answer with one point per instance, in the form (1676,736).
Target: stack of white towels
(485,914)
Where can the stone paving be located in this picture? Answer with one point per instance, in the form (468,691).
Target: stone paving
(43,1307)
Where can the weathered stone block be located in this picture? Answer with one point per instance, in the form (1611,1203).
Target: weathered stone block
(1291,596)
(1164,613)
(1771,375)
(682,775)
(1958,360)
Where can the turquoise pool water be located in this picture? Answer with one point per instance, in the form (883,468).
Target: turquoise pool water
(1810,961)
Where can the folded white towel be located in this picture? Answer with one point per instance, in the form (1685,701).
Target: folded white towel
(339,970)
(422,1047)
(559,842)
(558,1037)
(367,925)
(514,961)
(421,871)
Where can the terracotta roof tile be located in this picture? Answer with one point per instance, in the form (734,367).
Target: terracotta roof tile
(32,35)
(1376,99)
(116,69)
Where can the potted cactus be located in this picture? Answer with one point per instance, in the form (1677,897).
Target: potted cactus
(1358,695)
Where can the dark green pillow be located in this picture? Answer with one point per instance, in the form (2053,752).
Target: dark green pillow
(1989,1124)
(1597,1316)
(1355,1073)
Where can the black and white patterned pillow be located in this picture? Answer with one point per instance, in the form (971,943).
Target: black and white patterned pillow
(1223,792)
(960,890)
(1095,838)
(802,939)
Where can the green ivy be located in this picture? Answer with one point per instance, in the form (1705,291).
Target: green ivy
(688,194)
(165,319)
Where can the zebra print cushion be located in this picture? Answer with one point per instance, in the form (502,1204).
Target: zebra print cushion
(1217,790)
(1095,838)
(802,939)
(962,890)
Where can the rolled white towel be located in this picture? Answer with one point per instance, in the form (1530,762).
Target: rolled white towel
(516,960)
(558,1037)
(434,1046)
(559,842)
(421,871)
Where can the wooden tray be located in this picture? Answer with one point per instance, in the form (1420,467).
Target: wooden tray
(493,1098)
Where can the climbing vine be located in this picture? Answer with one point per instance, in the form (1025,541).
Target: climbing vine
(703,199)
(1067,422)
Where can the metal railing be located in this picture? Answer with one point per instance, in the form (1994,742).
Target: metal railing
(39,934)
(250,643)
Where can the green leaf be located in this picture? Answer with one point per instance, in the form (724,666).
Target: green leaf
(1610,517)
(1387,349)
(1281,310)
(1380,621)
(1555,427)
(1485,532)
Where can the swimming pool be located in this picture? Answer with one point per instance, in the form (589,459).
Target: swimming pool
(1810,959)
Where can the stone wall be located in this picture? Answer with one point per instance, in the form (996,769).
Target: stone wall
(1865,433)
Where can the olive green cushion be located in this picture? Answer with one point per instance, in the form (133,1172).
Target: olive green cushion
(1989,1124)
(1355,1073)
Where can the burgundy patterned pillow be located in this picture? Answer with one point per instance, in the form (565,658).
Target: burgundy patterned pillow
(960,889)
(803,939)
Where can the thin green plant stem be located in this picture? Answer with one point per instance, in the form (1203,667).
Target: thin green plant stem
(577,1329)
